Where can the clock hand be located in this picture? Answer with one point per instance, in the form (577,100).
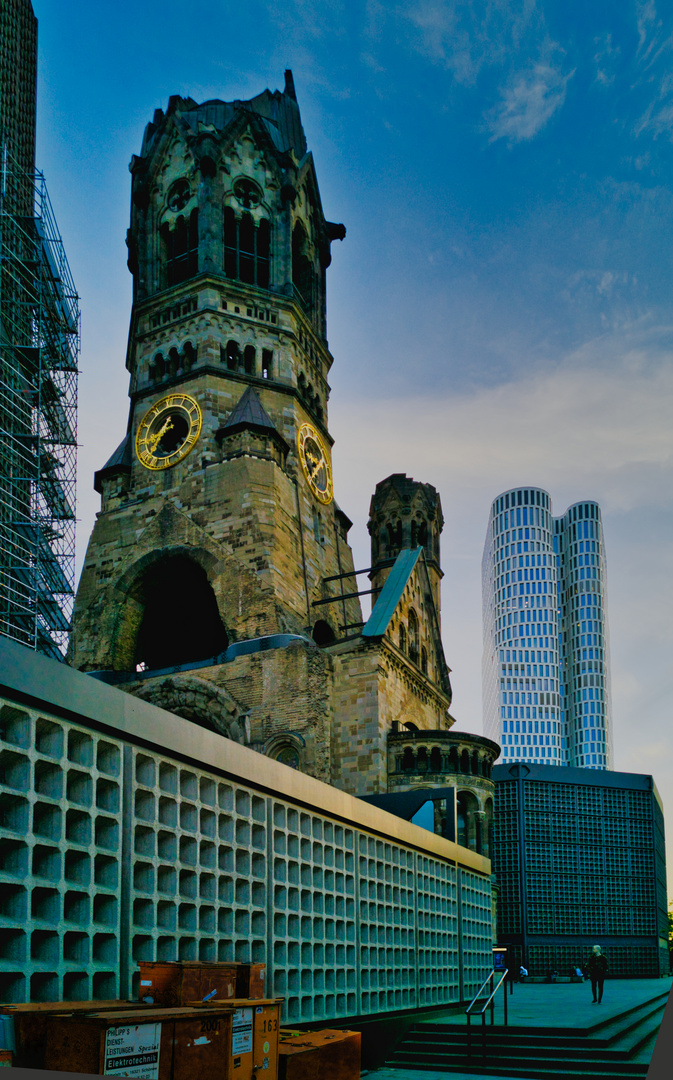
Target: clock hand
(155,439)
(317,469)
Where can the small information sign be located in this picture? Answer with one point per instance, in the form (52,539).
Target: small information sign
(241,1038)
(133,1051)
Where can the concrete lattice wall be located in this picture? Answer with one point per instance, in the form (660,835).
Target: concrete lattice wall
(115,851)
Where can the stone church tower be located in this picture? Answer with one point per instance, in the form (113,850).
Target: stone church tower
(218,581)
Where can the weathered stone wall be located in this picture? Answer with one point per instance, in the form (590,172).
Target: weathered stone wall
(285,691)
(374,686)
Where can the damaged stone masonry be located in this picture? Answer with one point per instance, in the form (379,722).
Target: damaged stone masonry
(219,583)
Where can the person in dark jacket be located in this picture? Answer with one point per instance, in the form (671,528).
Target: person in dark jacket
(597,968)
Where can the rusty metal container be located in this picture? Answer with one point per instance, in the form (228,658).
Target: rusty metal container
(26,1025)
(254,1037)
(145,1043)
(320,1055)
(171,984)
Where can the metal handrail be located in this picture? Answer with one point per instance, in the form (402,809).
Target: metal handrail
(482,1011)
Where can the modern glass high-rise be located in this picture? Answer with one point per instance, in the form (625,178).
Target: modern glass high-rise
(545,673)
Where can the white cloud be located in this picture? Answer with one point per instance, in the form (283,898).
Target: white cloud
(606,59)
(464,38)
(655,45)
(528,103)
(589,423)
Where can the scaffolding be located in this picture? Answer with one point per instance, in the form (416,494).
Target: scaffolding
(39,349)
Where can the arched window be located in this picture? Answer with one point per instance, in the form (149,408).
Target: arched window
(435,760)
(249,356)
(287,754)
(468,832)
(424,660)
(413,636)
(453,759)
(188,356)
(465,761)
(302,274)
(263,250)
(246,249)
(403,637)
(173,362)
(267,364)
(158,367)
(233,356)
(461,829)
(181,621)
(182,249)
(419,533)
(408,761)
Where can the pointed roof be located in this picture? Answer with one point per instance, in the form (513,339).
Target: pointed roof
(120,461)
(249,414)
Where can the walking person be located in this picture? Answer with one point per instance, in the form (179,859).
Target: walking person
(597,968)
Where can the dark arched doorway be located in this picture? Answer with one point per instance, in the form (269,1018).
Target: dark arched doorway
(181,622)
(323,633)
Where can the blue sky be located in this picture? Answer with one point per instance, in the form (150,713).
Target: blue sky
(500,312)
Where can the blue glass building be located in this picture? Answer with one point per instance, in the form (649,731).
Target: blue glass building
(546,678)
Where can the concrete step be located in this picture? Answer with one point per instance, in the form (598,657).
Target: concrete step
(619,1035)
(617,1048)
(527,1071)
(550,1058)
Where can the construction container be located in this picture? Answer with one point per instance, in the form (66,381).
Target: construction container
(165,983)
(320,1055)
(24,1027)
(254,1037)
(144,1043)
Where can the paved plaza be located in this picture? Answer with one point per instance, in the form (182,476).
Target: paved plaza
(543,1005)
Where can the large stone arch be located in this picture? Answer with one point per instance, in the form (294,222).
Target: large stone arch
(114,613)
(152,573)
(197,700)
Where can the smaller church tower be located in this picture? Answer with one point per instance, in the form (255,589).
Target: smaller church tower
(405,514)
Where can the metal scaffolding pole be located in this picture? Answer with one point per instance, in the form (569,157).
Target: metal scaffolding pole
(39,349)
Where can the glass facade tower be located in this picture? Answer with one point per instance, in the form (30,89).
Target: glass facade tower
(546,683)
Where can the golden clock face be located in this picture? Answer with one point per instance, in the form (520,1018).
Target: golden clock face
(315,463)
(168,431)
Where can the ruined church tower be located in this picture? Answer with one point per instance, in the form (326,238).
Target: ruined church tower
(218,527)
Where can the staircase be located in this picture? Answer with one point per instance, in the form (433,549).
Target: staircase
(618,1047)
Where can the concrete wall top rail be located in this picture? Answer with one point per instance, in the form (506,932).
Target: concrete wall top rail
(33,678)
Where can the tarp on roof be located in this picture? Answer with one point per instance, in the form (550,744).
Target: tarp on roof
(391,593)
